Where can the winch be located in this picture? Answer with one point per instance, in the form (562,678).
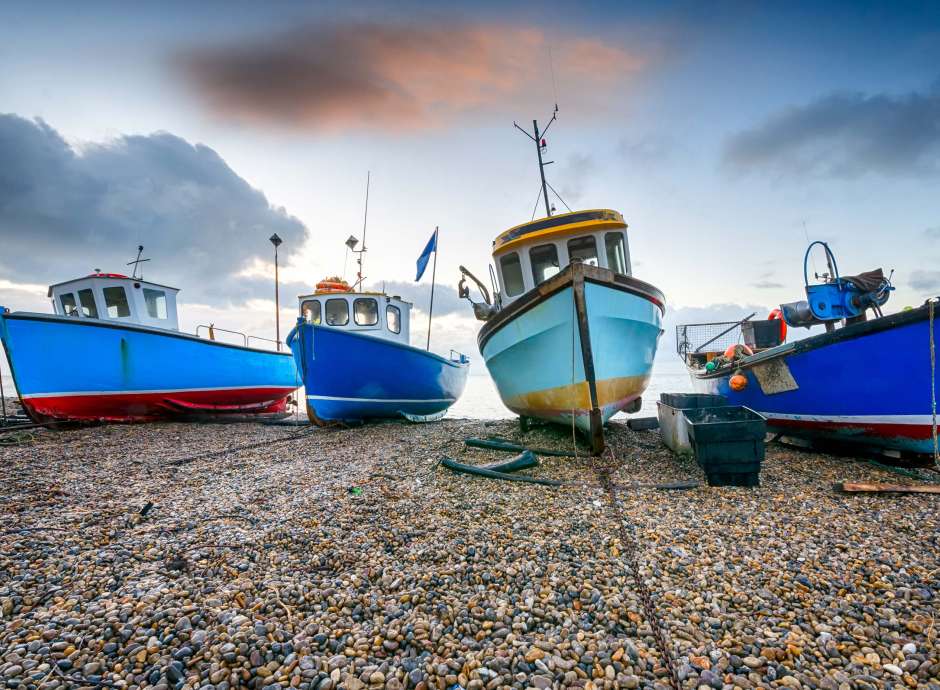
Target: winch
(837,297)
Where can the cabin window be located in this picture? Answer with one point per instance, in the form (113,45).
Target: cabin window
(115,301)
(583,249)
(89,308)
(67,300)
(365,311)
(311,311)
(156,303)
(337,312)
(393,317)
(616,253)
(511,266)
(544,260)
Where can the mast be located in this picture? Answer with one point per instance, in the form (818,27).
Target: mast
(538,149)
(539,138)
(365,220)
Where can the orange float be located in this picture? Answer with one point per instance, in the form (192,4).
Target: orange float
(777,314)
(738,382)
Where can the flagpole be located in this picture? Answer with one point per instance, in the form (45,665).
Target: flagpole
(433,276)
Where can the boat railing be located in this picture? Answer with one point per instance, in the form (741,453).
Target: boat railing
(277,343)
(212,329)
(693,338)
(458,357)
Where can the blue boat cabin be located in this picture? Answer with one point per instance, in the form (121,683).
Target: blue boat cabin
(370,313)
(115,297)
(530,254)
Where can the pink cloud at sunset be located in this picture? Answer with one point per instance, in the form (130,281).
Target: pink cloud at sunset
(398,77)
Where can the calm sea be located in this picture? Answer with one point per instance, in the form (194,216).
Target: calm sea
(481,401)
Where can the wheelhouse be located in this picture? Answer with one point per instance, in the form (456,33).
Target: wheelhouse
(531,253)
(370,313)
(115,297)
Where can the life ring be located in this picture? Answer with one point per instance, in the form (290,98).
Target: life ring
(333,286)
(778,314)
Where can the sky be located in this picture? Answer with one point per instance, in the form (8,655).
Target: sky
(729,134)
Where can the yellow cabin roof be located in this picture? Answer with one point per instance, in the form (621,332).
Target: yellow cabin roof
(560,225)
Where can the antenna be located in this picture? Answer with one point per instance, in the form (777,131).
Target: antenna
(551,67)
(136,264)
(365,221)
(540,146)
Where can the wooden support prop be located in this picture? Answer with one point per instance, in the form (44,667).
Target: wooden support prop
(865,487)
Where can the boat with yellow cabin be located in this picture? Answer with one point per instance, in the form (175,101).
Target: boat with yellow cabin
(569,335)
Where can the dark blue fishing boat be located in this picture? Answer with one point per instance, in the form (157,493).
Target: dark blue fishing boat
(353,352)
(866,382)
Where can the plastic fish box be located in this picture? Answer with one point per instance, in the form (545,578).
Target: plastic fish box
(762,334)
(672,425)
(728,443)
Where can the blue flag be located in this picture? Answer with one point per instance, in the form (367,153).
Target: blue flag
(431,246)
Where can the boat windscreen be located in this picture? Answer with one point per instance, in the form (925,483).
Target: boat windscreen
(583,249)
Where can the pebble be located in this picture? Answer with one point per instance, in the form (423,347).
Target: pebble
(259,568)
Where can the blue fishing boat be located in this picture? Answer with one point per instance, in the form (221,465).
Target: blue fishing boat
(356,362)
(112,352)
(569,335)
(866,382)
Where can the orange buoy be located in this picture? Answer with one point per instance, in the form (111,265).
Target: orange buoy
(777,314)
(738,382)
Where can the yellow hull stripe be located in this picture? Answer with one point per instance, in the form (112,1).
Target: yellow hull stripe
(577,396)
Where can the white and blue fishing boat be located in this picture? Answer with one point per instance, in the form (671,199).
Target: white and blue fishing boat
(112,352)
(570,335)
(353,350)
(863,383)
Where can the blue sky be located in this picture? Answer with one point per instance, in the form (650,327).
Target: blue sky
(727,133)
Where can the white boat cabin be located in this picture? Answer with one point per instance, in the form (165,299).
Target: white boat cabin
(529,254)
(370,313)
(115,297)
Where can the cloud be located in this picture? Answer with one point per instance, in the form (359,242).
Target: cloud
(932,233)
(446,300)
(577,173)
(767,285)
(925,281)
(651,149)
(67,210)
(391,77)
(846,135)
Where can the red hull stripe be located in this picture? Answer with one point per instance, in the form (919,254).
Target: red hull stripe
(154,405)
(892,430)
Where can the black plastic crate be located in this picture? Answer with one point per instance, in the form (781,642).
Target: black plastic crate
(762,334)
(689,401)
(748,479)
(728,443)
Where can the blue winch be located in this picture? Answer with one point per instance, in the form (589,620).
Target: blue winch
(837,298)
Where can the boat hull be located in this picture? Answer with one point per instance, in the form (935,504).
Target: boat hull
(86,370)
(576,349)
(868,384)
(351,377)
